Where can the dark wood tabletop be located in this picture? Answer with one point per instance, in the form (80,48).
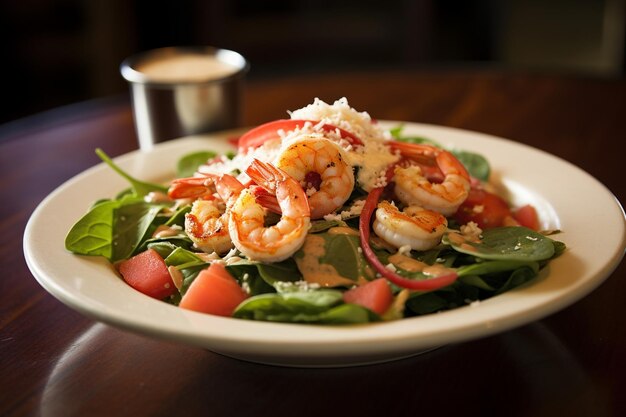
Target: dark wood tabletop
(56,362)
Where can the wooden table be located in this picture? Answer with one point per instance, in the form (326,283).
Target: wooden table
(55,362)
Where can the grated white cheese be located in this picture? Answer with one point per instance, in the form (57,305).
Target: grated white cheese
(371,159)
(340,114)
(471,231)
(296,286)
(333,217)
(242,160)
(478,209)
(355,210)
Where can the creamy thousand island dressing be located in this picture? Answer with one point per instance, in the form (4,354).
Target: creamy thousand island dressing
(412,265)
(463,241)
(185,68)
(314,272)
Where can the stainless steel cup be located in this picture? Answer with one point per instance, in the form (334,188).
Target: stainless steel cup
(181,91)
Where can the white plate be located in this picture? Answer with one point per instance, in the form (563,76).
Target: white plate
(91,286)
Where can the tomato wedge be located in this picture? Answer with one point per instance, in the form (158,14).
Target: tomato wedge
(527,216)
(485,209)
(148,274)
(268,131)
(214,291)
(375,295)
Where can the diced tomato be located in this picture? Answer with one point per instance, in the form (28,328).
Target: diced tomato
(527,216)
(484,208)
(147,273)
(214,291)
(375,295)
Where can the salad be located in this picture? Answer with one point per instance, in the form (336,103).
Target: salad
(322,218)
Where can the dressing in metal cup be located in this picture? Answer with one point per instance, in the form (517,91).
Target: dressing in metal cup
(182,91)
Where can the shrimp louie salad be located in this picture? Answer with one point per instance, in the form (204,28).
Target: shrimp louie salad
(324,217)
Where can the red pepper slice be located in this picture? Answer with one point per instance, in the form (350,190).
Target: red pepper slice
(261,134)
(364,229)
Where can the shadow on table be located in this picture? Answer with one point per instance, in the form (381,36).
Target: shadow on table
(527,371)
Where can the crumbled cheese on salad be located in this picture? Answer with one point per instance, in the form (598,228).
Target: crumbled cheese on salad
(295,286)
(354,211)
(471,231)
(340,114)
(237,165)
(371,159)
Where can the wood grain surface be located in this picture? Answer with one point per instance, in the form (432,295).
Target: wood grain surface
(56,362)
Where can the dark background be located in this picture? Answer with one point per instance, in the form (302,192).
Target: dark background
(57,52)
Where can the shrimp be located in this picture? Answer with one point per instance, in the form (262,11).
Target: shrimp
(207,227)
(321,168)
(193,187)
(413,188)
(247,217)
(207,222)
(416,227)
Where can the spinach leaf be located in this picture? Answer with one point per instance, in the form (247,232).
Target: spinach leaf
(476,165)
(180,256)
(93,233)
(271,274)
(318,226)
(518,277)
(188,264)
(342,251)
(491,267)
(140,188)
(453,296)
(559,248)
(178,218)
(189,164)
(507,243)
(113,228)
(397,134)
(322,306)
(477,281)
(348,314)
(247,273)
(131,223)
(178,241)
(497,277)
(426,303)
(162,247)
(181,239)
(440,254)
(285,271)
